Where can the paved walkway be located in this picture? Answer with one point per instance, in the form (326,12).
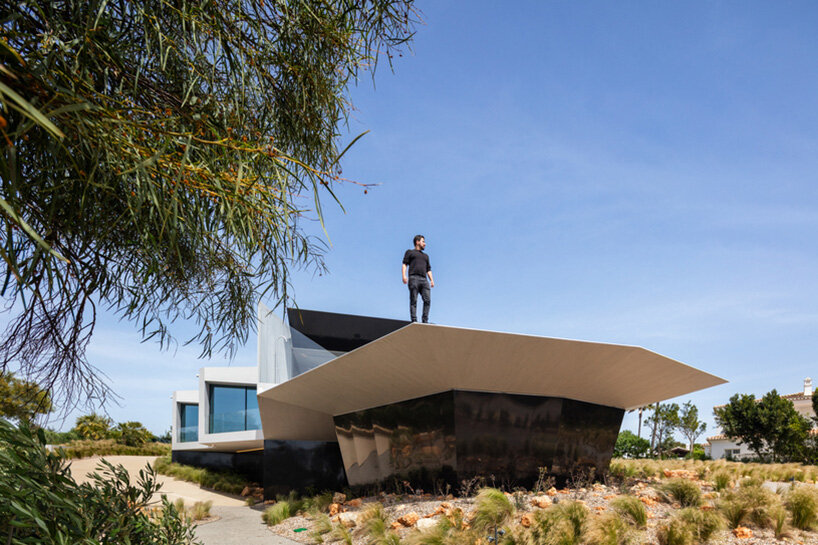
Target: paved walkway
(238,526)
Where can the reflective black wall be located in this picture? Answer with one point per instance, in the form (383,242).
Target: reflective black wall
(248,464)
(304,466)
(456,435)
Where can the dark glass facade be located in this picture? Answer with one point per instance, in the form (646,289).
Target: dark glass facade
(188,422)
(457,435)
(250,465)
(233,408)
(306,466)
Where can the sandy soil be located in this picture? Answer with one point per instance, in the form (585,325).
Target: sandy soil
(172,488)
(597,498)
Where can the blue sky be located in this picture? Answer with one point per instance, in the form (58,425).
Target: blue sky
(633,172)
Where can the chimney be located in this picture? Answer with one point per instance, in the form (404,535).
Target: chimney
(808,387)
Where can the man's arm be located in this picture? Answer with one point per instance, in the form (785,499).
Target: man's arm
(403,273)
(431,279)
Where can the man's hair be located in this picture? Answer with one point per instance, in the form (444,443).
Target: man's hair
(417,238)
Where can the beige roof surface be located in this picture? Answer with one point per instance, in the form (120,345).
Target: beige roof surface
(422,359)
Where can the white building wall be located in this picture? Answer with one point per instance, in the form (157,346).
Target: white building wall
(179,397)
(236,376)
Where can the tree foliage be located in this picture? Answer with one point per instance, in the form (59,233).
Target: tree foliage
(40,503)
(770,426)
(159,158)
(689,424)
(132,434)
(663,420)
(629,445)
(22,400)
(93,426)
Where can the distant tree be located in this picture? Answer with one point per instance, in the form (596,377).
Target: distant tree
(689,424)
(22,400)
(165,437)
(629,445)
(60,437)
(133,434)
(770,426)
(663,420)
(93,426)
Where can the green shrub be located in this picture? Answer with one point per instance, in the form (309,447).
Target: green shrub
(200,510)
(758,501)
(492,509)
(733,510)
(60,437)
(632,509)
(609,529)
(41,502)
(216,480)
(778,516)
(321,525)
(675,532)
(132,434)
(686,492)
(276,513)
(703,523)
(319,503)
(721,480)
(375,528)
(109,447)
(802,505)
(563,523)
(341,533)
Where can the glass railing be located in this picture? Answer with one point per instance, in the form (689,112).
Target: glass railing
(189,434)
(235,421)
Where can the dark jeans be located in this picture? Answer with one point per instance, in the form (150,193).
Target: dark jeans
(419,284)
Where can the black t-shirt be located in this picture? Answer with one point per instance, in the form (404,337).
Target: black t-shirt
(418,262)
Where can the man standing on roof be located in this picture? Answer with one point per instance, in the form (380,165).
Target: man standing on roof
(420,278)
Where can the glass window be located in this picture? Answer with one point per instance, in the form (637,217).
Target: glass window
(233,408)
(188,422)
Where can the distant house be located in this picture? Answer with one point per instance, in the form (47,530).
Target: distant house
(720,446)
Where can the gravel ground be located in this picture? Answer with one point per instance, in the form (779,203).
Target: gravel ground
(596,497)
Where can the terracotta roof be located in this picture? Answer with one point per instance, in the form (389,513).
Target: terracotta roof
(722,437)
(798,396)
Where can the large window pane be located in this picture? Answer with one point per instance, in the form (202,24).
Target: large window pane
(188,422)
(233,408)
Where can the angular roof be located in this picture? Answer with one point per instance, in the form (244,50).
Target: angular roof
(423,359)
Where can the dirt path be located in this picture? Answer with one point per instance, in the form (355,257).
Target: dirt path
(172,488)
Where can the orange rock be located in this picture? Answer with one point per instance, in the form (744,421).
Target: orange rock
(409,519)
(708,507)
(541,501)
(552,491)
(526,520)
(334,509)
(247,491)
(446,505)
(609,497)
(354,503)
(599,508)
(396,526)
(742,532)
(647,501)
